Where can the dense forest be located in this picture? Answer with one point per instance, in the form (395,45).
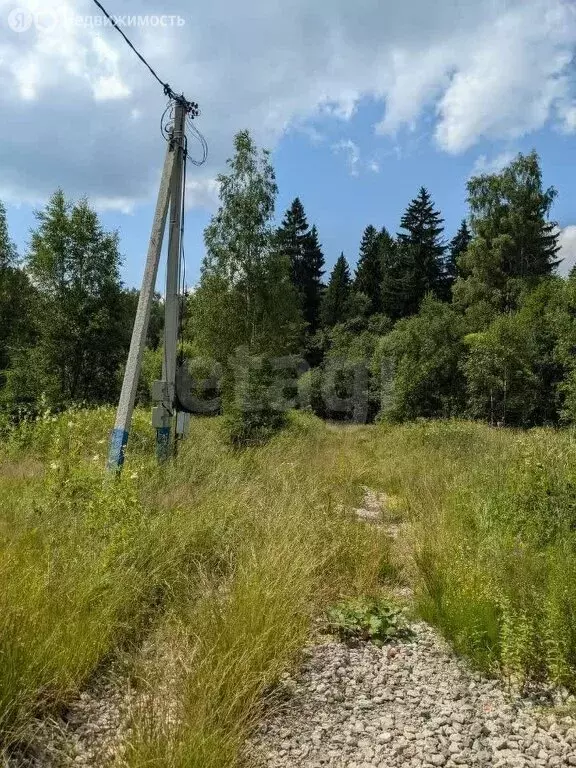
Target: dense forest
(474,323)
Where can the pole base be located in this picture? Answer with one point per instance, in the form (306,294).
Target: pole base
(118,442)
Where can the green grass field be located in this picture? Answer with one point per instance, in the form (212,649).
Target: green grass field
(228,556)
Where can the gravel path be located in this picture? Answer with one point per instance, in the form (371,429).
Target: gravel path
(410,704)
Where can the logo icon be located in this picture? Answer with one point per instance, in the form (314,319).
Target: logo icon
(20,20)
(46,21)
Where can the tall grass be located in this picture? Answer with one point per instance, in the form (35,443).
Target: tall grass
(500,575)
(224,557)
(86,565)
(493,540)
(81,562)
(294,551)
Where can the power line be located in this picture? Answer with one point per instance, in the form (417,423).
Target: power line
(191,106)
(203,145)
(192,109)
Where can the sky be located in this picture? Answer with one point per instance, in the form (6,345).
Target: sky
(360,103)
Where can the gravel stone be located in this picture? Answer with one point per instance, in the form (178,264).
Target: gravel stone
(413,704)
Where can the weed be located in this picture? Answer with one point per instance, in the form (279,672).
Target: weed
(367,619)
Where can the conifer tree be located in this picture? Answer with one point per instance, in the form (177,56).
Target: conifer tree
(415,263)
(301,245)
(423,247)
(312,288)
(336,301)
(292,239)
(368,278)
(458,246)
(8,253)
(398,282)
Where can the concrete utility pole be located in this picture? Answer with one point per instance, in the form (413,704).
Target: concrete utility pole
(163,415)
(120,433)
(171,190)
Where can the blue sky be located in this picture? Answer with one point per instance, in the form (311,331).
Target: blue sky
(361,106)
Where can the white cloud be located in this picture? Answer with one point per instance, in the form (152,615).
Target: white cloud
(512,79)
(567,242)
(352,153)
(495,164)
(492,69)
(121,204)
(202,193)
(567,115)
(374,166)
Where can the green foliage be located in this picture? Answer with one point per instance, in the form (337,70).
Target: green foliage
(368,620)
(16,301)
(499,370)
(494,543)
(368,278)
(346,390)
(245,296)
(79,328)
(513,241)
(424,353)
(415,265)
(156,322)
(561,317)
(310,396)
(254,412)
(457,248)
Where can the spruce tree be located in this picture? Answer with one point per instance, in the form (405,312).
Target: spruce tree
(8,253)
(421,250)
(312,288)
(292,239)
(399,285)
(386,247)
(302,247)
(458,246)
(335,304)
(368,278)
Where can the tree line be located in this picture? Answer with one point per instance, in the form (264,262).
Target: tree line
(65,317)
(476,325)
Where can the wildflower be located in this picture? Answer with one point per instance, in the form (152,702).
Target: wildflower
(54,465)
(96,457)
(133,475)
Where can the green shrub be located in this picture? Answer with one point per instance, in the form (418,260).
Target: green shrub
(310,392)
(254,411)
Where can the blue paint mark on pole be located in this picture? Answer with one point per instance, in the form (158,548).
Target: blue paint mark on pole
(163,443)
(118,443)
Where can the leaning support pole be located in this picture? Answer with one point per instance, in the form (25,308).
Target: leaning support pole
(165,413)
(119,438)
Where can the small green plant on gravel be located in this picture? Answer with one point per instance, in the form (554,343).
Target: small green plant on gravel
(368,619)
